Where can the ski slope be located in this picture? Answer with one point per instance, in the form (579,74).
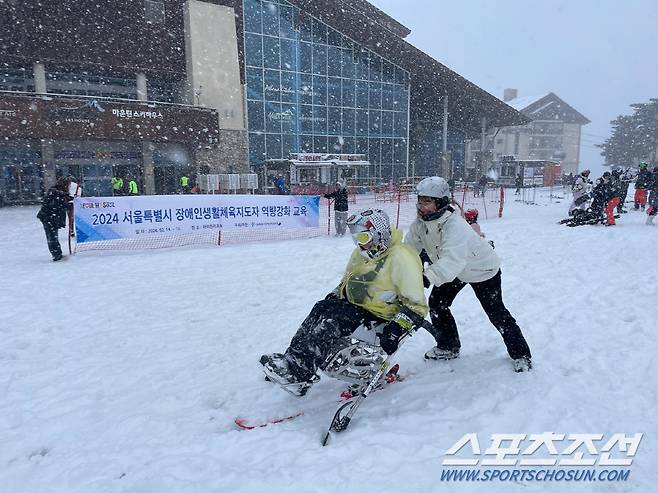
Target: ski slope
(123,372)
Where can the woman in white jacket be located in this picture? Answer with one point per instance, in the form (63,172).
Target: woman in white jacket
(458,256)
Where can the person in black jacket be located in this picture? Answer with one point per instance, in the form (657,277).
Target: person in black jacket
(52,214)
(340,207)
(642,182)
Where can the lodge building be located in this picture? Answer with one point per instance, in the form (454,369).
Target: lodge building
(152,90)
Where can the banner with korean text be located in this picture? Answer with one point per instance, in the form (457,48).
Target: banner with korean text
(99,219)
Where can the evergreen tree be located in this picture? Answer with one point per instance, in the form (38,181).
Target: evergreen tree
(634,137)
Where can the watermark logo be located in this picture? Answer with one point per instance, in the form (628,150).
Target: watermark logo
(546,456)
(545,449)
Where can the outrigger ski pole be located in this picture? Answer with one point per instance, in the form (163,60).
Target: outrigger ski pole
(341,420)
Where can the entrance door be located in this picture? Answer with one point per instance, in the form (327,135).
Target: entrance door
(21,183)
(166,180)
(97,180)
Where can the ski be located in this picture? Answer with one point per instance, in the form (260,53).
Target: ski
(343,416)
(346,396)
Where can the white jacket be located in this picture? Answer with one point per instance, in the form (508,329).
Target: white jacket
(456,251)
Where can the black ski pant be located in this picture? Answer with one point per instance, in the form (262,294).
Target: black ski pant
(52,239)
(490,295)
(328,322)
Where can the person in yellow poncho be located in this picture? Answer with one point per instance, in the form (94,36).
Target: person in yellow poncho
(383,282)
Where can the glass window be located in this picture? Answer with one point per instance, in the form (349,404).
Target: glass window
(375,96)
(270,18)
(400,151)
(288,85)
(333,37)
(254,83)
(361,145)
(361,94)
(306,143)
(388,71)
(348,122)
(289,119)
(255,113)
(256,148)
(375,68)
(290,145)
(320,120)
(374,150)
(271,52)
(306,119)
(348,145)
(335,144)
(254,50)
(320,144)
(333,91)
(400,121)
(303,24)
(305,58)
(387,123)
(252,17)
(272,85)
(319,32)
(319,59)
(375,122)
(273,146)
(363,67)
(272,117)
(388,96)
(347,63)
(287,22)
(401,96)
(305,89)
(400,77)
(333,121)
(288,55)
(319,90)
(362,122)
(348,92)
(387,150)
(333,61)
(154,12)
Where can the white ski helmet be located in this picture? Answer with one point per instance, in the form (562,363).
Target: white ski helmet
(370,225)
(433,186)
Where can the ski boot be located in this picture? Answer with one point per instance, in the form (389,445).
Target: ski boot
(442,354)
(277,369)
(522,364)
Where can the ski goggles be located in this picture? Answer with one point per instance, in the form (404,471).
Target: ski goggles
(362,237)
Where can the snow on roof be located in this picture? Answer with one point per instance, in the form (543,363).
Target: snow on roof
(521,103)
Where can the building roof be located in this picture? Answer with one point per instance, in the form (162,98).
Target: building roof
(520,104)
(468,104)
(548,107)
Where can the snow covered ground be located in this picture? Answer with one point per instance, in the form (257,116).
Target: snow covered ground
(123,372)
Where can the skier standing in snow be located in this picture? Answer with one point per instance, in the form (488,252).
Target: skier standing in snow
(518,182)
(641,183)
(652,210)
(626,179)
(383,282)
(340,207)
(53,212)
(606,198)
(459,257)
(580,189)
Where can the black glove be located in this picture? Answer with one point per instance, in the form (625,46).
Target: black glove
(391,335)
(332,296)
(426,282)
